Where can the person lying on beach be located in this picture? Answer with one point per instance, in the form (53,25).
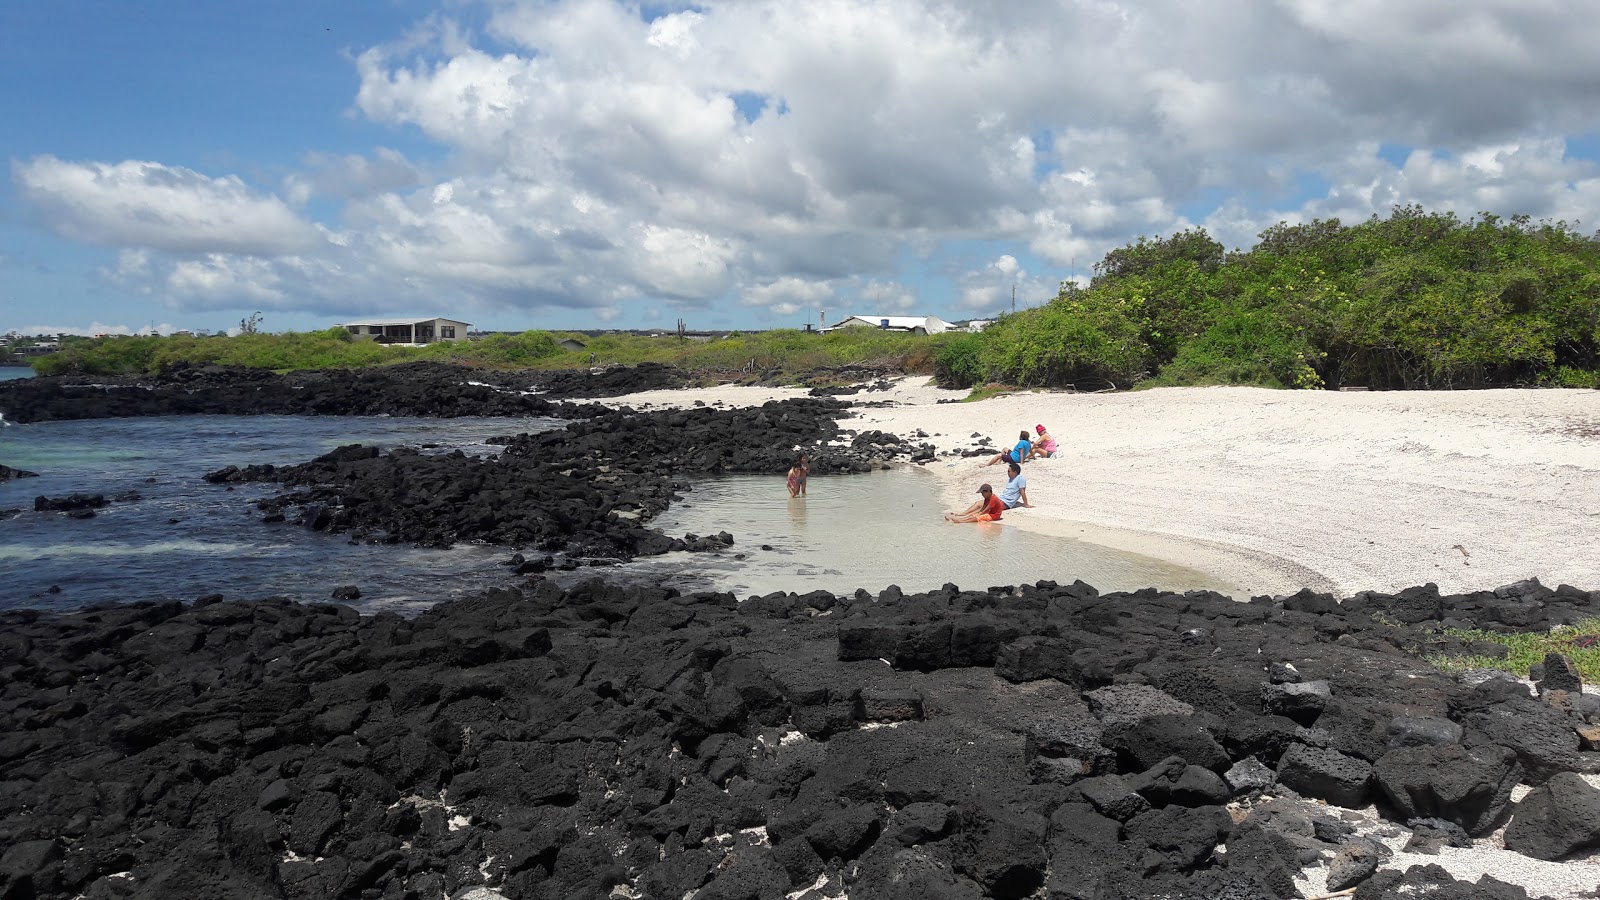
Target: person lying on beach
(987,509)
(1015,493)
(1016,454)
(797,476)
(1044,445)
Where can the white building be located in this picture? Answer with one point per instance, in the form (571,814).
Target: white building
(410,332)
(910,324)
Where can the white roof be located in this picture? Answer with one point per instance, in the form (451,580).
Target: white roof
(411,321)
(896,321)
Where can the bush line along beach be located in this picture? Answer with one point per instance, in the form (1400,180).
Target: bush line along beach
(1416,300)
(1397,703)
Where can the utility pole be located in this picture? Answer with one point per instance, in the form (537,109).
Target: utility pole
(1013,296)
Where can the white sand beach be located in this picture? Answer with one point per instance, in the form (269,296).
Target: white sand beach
(1278,490)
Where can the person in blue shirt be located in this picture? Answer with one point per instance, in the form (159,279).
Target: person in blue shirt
(1016,454)
(1015,493)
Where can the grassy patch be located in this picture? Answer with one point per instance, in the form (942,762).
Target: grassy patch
(1580,642)
(987,391)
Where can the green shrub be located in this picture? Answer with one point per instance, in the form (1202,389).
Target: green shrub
(1245,348)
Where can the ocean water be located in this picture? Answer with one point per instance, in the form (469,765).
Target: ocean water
(9,372)
(184,538)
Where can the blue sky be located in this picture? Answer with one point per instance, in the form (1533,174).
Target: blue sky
(588,163)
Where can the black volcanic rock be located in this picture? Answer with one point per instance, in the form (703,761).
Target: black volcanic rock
(613,740)
(588,490)
(406,389)
(7,473)
(70,503)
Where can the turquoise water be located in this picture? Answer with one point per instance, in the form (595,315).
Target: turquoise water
(9,372)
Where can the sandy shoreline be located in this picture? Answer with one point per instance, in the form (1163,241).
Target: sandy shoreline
(1278,490)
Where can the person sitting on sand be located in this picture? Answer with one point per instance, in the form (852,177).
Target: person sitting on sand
(797,476)
(987,509)
(1015,493)
(1044,445)
(1016,454)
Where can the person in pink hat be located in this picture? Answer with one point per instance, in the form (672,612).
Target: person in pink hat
(1044,446)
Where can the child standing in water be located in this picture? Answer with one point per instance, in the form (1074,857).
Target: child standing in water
(797,477)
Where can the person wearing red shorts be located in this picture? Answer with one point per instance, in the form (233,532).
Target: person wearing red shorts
(987,509)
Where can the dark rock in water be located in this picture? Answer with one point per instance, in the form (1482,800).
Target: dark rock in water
(347,592)
(406,389)
(70,503)
(7,473)
(588,490)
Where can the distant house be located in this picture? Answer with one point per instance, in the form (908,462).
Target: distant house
(411,332)
(975,325)
(908,324)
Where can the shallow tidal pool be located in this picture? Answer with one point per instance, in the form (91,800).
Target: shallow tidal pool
(873,530)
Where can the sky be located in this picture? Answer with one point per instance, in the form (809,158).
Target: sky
(579,164)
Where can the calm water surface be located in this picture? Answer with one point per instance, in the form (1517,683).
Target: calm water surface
(870,531)
(9,372)
(184,538)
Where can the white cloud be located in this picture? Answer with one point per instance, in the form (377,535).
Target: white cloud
(877,297)
(787,296)
(351,176)
(769,155)
(991,289)
(96,328)
(146,204)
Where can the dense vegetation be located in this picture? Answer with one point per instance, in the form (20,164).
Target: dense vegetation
(783,354)
(1417,300)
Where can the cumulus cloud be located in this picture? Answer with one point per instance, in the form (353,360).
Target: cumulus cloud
(146,204)
(878,297)
(990,289)
(96,328)
(352,176)
(772,155)
(787,296)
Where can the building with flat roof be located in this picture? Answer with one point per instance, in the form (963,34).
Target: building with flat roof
(910,324)
(409,332)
